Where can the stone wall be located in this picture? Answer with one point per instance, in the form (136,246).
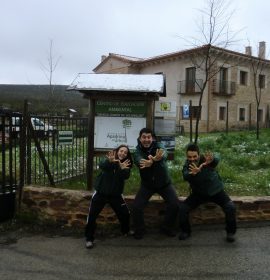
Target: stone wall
(70,208)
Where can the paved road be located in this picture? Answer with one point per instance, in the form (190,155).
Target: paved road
(204,256)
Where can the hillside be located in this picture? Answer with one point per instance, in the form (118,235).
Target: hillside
(13,96)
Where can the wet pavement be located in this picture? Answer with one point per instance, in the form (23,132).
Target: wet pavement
(206,255)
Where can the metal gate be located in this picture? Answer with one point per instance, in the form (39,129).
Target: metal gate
(10,180)
(38,150)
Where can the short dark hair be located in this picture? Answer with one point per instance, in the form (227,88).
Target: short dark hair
(193,147)
(146,130)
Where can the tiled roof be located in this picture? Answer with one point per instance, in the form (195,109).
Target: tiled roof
(126,57)
(138,61)
(192,51)
(174,54)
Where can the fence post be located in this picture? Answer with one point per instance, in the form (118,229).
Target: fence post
(90,152)
(190,120)
(28,150)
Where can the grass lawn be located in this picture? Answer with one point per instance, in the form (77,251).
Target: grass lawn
(244,165)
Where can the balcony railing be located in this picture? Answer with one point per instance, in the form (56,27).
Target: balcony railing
(221,87)
(189,87)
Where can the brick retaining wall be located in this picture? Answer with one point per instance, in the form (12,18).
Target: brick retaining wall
(70,208)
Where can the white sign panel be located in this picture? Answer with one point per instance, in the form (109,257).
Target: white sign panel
(65,137)
(110,132)
(165,127)
(165,109)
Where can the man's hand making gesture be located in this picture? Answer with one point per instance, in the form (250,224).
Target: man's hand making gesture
(148,162)
(194,169)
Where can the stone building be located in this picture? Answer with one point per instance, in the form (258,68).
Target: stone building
(229,98)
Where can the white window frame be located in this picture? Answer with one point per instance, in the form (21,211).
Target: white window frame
(258,83)
(244,69)
(263,114)
(221,104)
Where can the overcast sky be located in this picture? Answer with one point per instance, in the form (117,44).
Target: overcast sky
(83,30)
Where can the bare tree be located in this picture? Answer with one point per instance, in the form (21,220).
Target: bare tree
(48,69)
(215,37)
(257,68)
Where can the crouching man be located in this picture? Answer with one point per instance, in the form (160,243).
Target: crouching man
(207,186)
(150,156)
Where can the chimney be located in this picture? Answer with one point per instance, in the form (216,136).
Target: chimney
(261,53)
(248,50)
(103,57)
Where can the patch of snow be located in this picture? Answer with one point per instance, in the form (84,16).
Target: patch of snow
(119,82)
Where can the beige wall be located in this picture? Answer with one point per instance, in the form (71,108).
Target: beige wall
(244,98)
(114,66)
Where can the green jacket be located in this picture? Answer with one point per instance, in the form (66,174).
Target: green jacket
(112,178)
(157,176)
(207,182)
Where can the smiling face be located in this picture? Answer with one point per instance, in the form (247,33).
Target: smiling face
(146,140)
(122,153)
(193,156)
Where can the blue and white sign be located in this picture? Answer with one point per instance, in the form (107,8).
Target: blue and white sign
(186,111)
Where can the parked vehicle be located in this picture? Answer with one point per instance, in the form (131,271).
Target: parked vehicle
(42,129)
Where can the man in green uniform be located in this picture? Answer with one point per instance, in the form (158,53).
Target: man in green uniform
(150,156)
(207,186)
